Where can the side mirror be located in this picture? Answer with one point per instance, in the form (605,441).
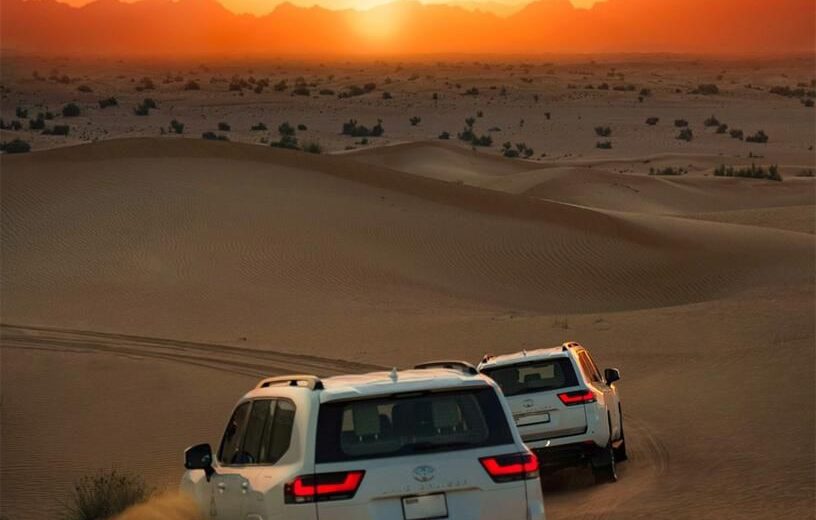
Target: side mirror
(611,375)
(199,457)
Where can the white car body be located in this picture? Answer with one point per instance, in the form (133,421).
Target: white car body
(566,410)
(408,445)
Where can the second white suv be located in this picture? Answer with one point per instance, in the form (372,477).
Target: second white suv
(567,412)
(409,445)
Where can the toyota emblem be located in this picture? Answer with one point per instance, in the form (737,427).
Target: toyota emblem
(423,473)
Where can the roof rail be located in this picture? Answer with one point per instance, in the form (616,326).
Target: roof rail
(462,366)
(569,344)
(308,381)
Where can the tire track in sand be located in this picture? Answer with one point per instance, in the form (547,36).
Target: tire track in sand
(240,360)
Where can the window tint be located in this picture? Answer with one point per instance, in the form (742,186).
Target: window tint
(259,433)
(233,435)
(535,376)
(407,424)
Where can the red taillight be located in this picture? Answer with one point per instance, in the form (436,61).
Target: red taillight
(579,397)
(506,468)
(323,486)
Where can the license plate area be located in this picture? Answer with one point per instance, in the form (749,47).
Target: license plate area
(425,507)
(533,418)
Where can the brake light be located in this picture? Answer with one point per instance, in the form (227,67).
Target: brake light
(579,397)
(507,468)
(323,486)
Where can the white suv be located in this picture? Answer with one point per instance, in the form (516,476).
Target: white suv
(566,411)
(416,444)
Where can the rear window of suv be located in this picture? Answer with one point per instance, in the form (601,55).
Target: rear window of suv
(535,376)
(411,423)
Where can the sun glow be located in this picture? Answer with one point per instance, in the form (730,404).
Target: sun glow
(378,26)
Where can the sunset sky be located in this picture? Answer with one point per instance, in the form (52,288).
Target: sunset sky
(265,6)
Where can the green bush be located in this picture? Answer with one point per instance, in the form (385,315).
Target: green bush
(753,172)
(723,128)
(15,146)
(313,147)
(685,134)
(176,126)
(37,124)
(603,131)
(21,112)
(105,495)
(354,129)
(759,137)
(483,140)
(415,120)
(286,129)
(212,136)
(667,171)
(736,134)
(70,110)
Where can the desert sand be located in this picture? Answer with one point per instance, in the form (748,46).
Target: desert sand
(149,281)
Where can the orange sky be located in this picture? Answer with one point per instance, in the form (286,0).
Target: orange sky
(265,6)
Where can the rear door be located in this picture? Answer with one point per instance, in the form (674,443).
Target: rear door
(418,456)
(531,389)
(229,485)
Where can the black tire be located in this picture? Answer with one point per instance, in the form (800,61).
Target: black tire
(603,466)
(620,446)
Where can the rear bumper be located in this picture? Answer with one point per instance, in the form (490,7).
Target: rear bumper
(566,455)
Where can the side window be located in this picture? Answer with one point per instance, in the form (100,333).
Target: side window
(278,436)
(594,366)
(234,434)
(587,368)
(259,432)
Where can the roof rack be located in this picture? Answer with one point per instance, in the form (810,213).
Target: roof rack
(462,366)
(570,344)
(308,381)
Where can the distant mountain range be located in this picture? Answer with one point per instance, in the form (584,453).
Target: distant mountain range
(205,27)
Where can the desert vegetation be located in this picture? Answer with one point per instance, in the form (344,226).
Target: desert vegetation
(468,135)
(520,150)
(668,171)
(355,129)
(224,126)
(706,89)
(652,121)
(144,108)
(15,146)
(176,127)
(71,110)
(604,145)
(753,172)
(212,136)
(108,102)
(685,135)
(105,495)
(603,131)
(759,137)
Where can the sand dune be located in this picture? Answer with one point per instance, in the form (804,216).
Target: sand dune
(167,274)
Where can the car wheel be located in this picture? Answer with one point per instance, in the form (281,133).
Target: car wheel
(603,466)
(619,447)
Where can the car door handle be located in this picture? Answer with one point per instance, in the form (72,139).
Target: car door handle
(222,486)
(244,487)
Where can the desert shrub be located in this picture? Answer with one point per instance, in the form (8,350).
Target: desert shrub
(212,136)
(520,150)
(482,140)
(21,112)
(11,125)
(192,85)
(286,141)
(759,137)
(604,145)
(645,92)
(706,89)
(286,129)
(723,128)
(354,129)
(680,123)
(805,173)
(108,102)
(313,147)
(791,92)
(105,495)
(509,151)
(280,86)
(667,171)
(415,120)
(685,134)
(736,133)
(326,92)
(753,172)
(57,130)
(37,124)
(301,90)
(176,126)
(387,95)
(469,121)
(603,86)
(143,108)
(150,103)
(15,146)
(71,110)
(84,88)
(652,121)
(808,102)
(711,121)
(302,128)
(145,84)
(260,127)
(603,131)
(444,136)
(472,91)
(224,127)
